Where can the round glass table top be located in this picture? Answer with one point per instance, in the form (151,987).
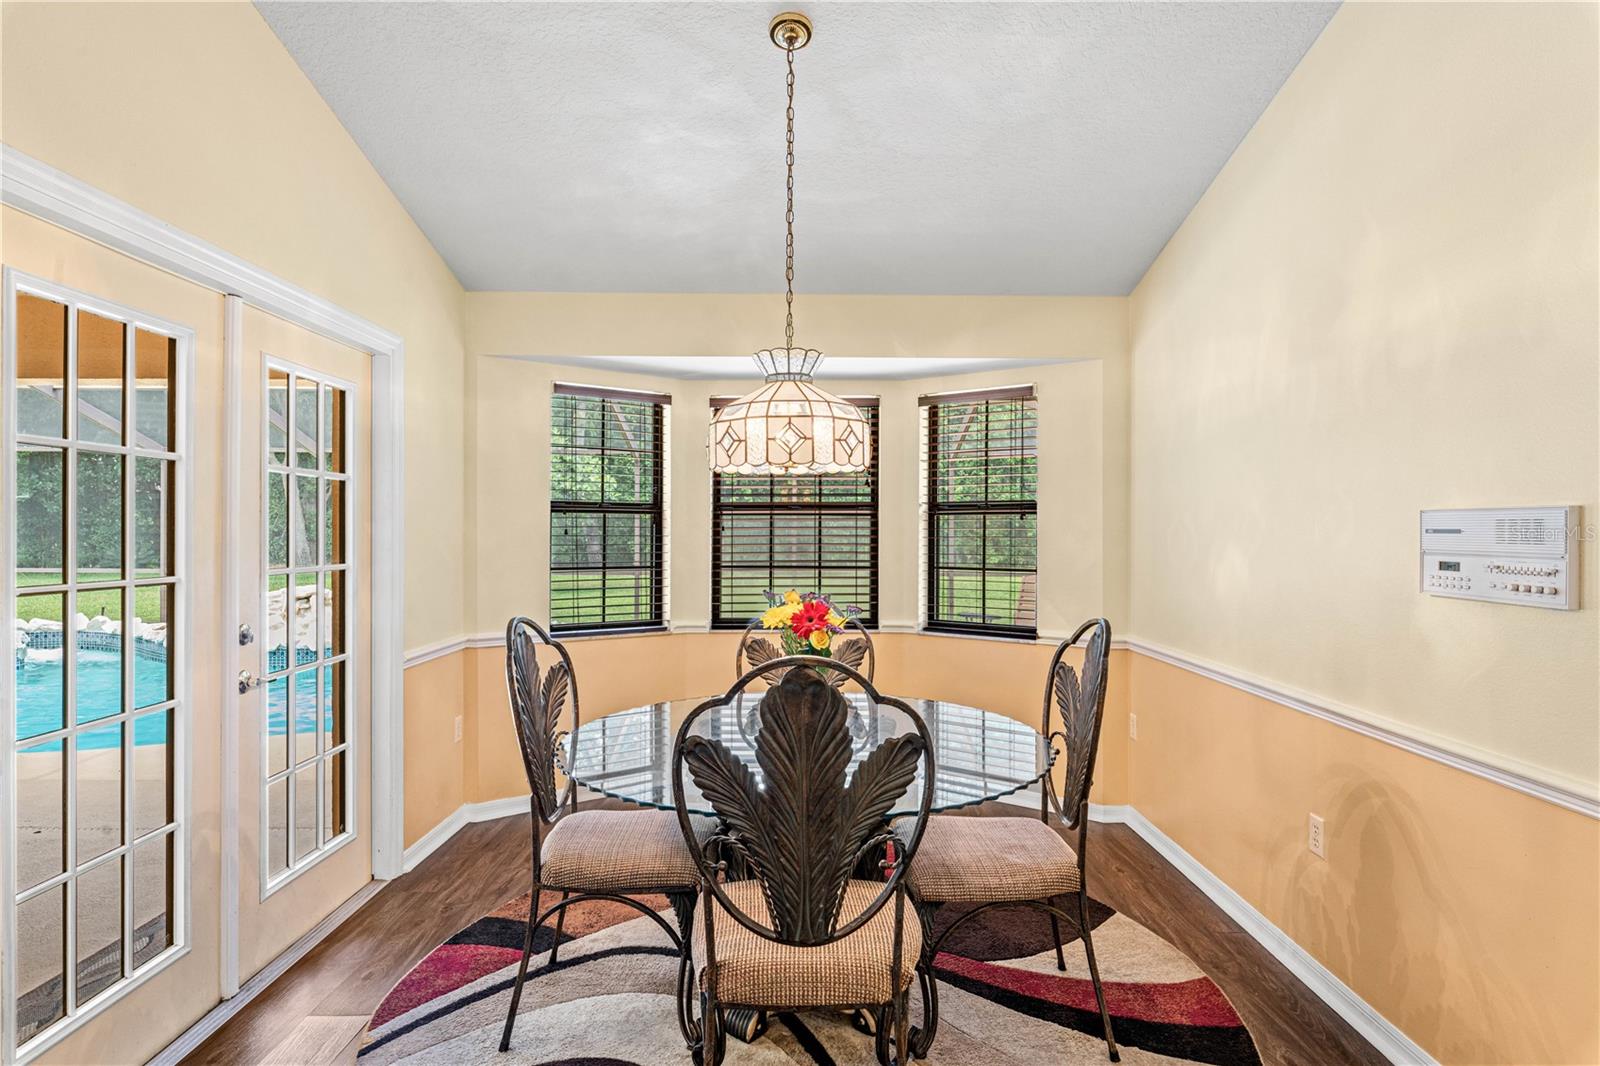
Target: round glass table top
(978,755)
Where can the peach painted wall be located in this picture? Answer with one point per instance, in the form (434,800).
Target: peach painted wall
(435,766)
(1466,913)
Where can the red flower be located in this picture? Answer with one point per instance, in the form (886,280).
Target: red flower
(812,616)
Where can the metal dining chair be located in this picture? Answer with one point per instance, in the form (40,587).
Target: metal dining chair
(584,855)
(791,915)
(1001,862)
(856,652)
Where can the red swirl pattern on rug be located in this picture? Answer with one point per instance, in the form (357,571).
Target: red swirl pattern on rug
(609,999)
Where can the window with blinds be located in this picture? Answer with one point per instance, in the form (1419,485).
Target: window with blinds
(607,459)
(981,512)
(815,533)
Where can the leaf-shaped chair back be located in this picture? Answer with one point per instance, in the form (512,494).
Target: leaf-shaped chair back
(804,832)
(539,697)
(852,648)
(1082,703)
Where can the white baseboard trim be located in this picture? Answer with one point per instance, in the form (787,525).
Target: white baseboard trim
(1374,1027)
(217,1016)
(458,819)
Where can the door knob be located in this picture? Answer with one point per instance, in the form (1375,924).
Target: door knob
(248,681)
(246,635)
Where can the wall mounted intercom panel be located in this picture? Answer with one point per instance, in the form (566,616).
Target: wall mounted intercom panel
(1522,555)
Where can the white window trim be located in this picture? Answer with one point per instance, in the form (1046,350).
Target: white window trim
(272,883)
(181,916)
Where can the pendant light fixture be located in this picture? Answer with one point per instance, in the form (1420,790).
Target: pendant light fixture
(789,425)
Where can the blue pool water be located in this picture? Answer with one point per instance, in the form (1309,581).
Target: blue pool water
(39,699)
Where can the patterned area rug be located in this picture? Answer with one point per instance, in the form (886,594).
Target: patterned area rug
(608,1000)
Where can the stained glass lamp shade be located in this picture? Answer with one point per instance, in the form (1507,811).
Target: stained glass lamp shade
(789,425)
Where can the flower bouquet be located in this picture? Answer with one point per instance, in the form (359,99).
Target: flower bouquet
(808,624)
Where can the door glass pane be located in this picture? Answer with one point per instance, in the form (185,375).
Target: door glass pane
(277,826)
(305,812)
(305,525)
(153,676)
(306,625)
(333,612)
(41,962)
(104,633)
(333,796)
(39,666)
(277,521)
(99,774)
(41,492)
(305,423)
(333,429)
(153,539)
(99,661)
(99,931)
(305,715)
(41,813)
(101,358)
(306,593)
(152,772)
(277,725)
(277,417)
(152,899)
(41,366)
(155,368)
(333,521)
(333,704)
(99,516)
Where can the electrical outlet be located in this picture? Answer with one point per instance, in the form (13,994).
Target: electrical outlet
(458,729)
(1133,727)
(1314,836)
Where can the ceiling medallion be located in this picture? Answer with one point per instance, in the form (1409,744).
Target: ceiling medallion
(789,425)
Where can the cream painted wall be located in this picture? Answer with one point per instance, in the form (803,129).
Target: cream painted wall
(1385,302)
(196,114)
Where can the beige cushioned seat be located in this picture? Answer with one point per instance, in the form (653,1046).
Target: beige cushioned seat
(755,971)
(620,851)
(980,860)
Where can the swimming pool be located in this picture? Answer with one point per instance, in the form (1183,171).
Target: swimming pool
(39,696)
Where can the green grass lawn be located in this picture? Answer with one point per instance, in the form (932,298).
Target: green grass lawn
(991,598)
(146,598)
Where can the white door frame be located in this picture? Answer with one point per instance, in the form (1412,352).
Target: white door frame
(62,200)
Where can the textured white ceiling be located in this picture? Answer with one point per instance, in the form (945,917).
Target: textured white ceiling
(942,147)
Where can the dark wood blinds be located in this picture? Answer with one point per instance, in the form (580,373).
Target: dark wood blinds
(982,524)
(817,533)
(606,458)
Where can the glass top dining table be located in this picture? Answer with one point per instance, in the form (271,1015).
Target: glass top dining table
(978,755)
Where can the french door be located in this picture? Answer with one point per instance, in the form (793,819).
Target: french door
(187,496)
(303,715)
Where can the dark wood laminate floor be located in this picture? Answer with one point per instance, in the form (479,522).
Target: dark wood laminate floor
(315,1013)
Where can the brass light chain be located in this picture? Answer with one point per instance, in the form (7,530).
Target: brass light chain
(788,216)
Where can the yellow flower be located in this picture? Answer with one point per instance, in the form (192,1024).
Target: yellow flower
(792,598)
(820,639)
(778,617)
(835,619)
